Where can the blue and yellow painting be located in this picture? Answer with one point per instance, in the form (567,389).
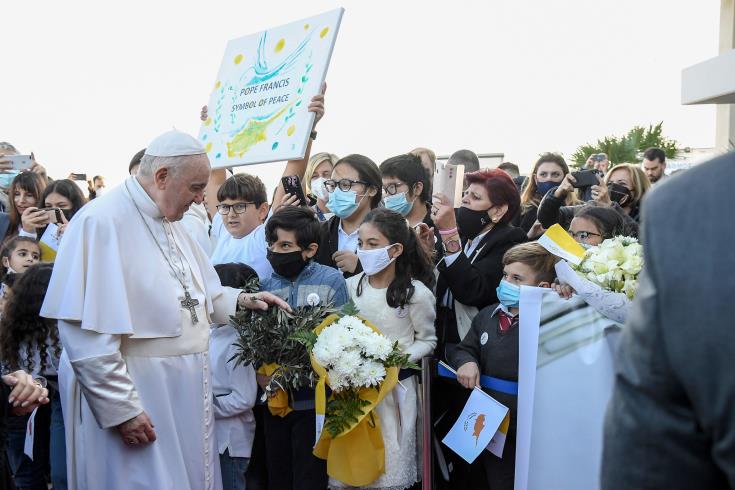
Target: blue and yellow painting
(258,108)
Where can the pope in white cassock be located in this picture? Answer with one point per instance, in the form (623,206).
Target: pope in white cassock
(134,296)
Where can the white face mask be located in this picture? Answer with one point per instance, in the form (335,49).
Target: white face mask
(318,189)
(374,261)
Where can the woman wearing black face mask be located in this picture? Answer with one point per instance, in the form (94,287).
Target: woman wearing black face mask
(548,172)
(553,208)
(626,185)
(474,243)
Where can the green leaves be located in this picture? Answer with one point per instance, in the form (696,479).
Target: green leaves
(398,359)
(627,148)
(349,309)
(343,410)
(276,336)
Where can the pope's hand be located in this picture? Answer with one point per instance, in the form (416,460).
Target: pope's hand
(138,430)
(468,375)
(261,301)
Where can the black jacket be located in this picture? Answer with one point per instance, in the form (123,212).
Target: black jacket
(473,283)
(526,219)
(6,479)
(329,244)
(497,357)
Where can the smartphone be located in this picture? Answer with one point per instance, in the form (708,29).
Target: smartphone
(585,178)
(19,162)
(54,215)
(79,177)
(292,185)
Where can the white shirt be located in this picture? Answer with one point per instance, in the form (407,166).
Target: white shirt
(234,390)
(197,223)
(250,249)
(347,242)
(469,249)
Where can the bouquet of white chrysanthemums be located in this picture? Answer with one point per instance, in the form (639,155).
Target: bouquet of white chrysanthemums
(353,354)
(357,362)
(614,265)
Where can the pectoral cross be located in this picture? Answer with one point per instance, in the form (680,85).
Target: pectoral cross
(190,304)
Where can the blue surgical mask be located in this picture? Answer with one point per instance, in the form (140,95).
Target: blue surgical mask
(508,294)
(398,203)
(6,179)
(544,187)
(343,203)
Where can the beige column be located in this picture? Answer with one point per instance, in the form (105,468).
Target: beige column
(725,125)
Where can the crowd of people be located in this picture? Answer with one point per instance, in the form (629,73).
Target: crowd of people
(441,281)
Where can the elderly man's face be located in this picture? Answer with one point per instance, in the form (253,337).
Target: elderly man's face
(184,187)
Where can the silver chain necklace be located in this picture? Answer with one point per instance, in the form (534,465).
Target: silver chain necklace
(188,302)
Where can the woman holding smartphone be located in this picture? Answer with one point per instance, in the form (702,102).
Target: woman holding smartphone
(59,201)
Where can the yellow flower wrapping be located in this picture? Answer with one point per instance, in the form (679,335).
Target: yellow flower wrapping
(356,456)
(277,404)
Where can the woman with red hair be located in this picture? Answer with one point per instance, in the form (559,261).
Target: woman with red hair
(474,238)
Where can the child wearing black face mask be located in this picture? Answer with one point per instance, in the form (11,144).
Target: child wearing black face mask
(293,235)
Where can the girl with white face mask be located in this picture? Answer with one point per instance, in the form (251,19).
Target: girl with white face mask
(318,171)
(393,294)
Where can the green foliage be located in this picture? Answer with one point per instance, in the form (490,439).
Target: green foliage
(398,359)
(627,148)
(276,336)
(349,309)
(306,338)
(343,410)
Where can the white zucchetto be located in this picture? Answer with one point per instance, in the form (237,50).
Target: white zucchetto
(175,144)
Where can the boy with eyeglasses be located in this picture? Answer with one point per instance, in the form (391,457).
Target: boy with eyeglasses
(238,227)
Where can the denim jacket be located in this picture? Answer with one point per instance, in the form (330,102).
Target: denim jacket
(327,284)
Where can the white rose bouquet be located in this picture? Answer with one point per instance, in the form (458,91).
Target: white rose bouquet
(613,265)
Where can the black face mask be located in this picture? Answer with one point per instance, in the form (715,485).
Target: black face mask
(618,193)
(470,222)
(286,264)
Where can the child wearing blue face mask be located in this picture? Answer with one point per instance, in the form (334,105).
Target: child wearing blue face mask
(490,348)
(392,293)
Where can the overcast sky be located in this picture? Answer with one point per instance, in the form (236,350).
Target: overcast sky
(87,84)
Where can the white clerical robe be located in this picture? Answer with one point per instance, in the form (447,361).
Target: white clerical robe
(129,346)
